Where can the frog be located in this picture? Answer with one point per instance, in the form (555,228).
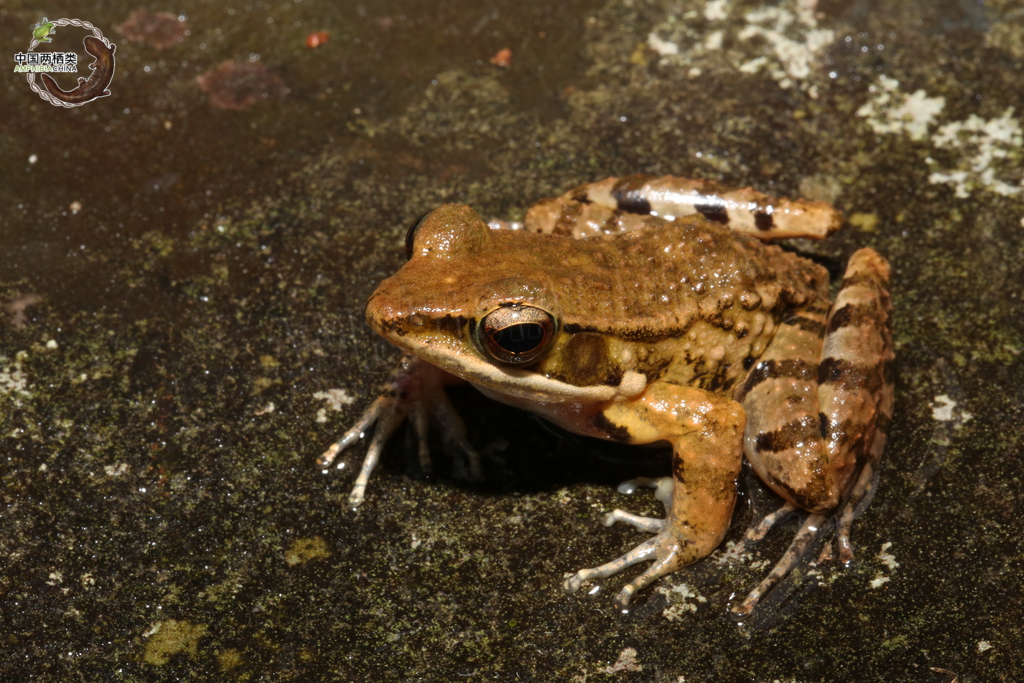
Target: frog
(653,310)
(43,31)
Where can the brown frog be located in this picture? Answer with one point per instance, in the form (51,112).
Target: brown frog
(645,310)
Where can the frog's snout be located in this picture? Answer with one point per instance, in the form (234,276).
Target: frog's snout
(390,314)
(380,314)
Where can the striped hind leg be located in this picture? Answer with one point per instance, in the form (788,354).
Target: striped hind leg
(819,403)
(617,205)
(819,400)
(856,383)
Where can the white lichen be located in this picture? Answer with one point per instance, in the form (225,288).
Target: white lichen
(784,41)
(336,399)
(944,410)
(985,151)
(716,10)
(115,470)
(878,581)
(891,112)
(682,599)
(13,380)
(662,47)
(627,661)
(794,57)
(887,558)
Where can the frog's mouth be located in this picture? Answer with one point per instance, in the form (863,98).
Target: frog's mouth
(513,383)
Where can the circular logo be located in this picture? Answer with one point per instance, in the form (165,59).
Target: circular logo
(46,63)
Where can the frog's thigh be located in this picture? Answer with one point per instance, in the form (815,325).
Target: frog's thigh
(706,432)
(812,406)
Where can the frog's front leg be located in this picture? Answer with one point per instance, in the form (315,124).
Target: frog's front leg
(706,432)
(414,390)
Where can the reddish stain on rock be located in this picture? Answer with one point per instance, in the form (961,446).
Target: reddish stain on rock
(160,29)
(502,58)
(316,39)
(237,85)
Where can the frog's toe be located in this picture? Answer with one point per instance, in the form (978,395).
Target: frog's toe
(414,390)
(663,549)
(861,493)
(630,486)
(789,560)
(663,487)
(386,425)
(651,525)
(387,413)
(419,418)
(663,491)
(382,405)
(471,468)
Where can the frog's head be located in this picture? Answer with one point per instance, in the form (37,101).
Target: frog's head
(478,303)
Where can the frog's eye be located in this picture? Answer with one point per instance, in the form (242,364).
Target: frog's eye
(410,236)
(515,333)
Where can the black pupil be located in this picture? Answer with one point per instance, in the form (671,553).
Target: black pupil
(519,338)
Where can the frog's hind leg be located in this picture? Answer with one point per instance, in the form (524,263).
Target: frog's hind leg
(856,391)
(811,423)
(616,203)
(761,529)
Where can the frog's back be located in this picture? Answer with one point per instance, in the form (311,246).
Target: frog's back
(657,282)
